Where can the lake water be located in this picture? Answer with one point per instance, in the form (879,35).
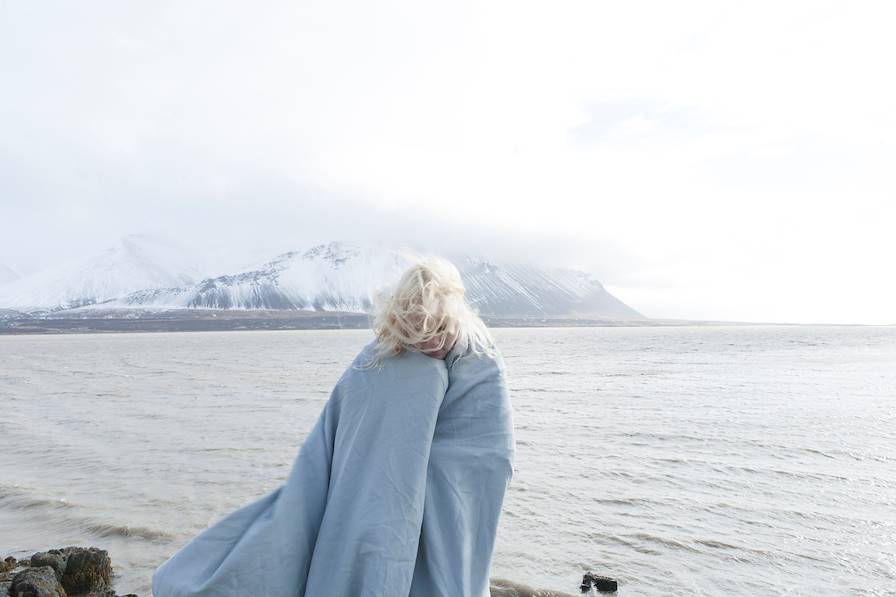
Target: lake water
(753,460)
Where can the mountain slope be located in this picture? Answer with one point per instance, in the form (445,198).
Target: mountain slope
(7,274)
(333,277)
(146,274)
(344,277)
(134,263)
(520,290)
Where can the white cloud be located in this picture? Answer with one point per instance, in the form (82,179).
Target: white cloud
(707,159)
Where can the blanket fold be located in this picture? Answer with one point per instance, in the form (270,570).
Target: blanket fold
(377,465)
(470,468)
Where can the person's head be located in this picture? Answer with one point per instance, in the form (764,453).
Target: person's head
(426,311)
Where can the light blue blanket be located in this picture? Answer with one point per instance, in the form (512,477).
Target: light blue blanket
(396,491)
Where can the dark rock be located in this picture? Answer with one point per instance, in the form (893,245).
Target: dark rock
(605,584)
(36,582)
(7,564)
(87,570)
(66,572)
(55,559)
(587,580)
(601,583)
(80,570)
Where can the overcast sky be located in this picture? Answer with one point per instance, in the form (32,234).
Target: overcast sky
(710,160)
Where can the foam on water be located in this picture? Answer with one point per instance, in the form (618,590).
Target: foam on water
(693,460)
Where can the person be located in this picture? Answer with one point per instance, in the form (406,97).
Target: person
(398,488)
(470,462)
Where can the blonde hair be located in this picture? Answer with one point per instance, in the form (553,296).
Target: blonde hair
(428,302)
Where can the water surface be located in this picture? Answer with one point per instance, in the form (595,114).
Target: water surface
(680,460)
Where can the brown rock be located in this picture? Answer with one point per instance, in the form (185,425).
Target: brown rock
(54,558)
(67,572)
(7,564)
(87,570)
(36,582)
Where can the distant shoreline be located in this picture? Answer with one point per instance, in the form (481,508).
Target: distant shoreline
(200,320)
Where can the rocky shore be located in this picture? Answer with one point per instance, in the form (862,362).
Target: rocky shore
(87,572)
(66,572)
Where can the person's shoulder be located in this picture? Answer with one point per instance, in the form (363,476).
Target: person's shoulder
(408,364)
(467,354)
(413,363)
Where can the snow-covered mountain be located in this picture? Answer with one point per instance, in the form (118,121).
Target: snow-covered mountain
(333,277)
(143,274)
(522,290)
(7,274)
(134,263)
(344,277)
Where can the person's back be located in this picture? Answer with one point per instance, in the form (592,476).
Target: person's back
(472,451)
(369,533)
(347,520)
(470,468)
(396,454)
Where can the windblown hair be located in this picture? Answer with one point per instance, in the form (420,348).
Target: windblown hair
(427,303)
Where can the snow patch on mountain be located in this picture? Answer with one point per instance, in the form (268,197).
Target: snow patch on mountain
(329,277)
(344,277)
(134,263)
(524,290)
(142,273)
(7,274)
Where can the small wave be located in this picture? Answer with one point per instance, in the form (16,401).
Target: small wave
(764,471)
(716,544)
(631,545)
(14,498)
(663,541)
(616,502)
(820,453)
(634,501)
(110,530)
(61,513)
(24,503)
(501,587)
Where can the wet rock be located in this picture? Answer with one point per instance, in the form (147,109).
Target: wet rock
(7,565)
(36,582)
(76,572)
(55,559)
(604,584)
(86,570)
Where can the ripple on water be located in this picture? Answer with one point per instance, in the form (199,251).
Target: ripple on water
(693,461)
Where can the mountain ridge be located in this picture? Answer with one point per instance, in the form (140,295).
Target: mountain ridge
(339,276)
(132,263)
(7,274)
